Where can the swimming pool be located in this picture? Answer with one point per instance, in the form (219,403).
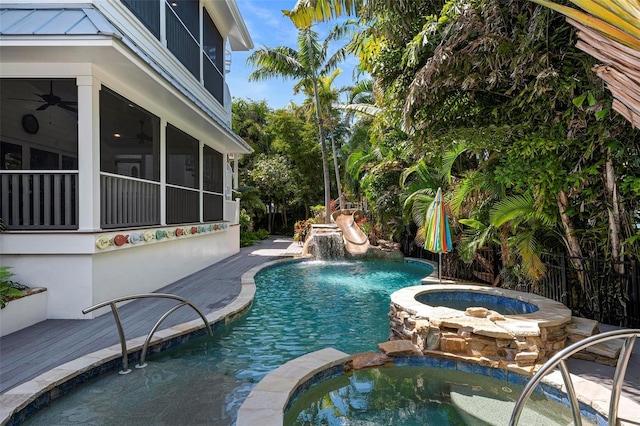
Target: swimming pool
(299,307)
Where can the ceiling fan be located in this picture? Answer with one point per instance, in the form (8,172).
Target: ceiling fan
(141,137)
(50,99)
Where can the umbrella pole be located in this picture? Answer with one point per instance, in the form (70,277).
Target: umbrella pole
(440,267)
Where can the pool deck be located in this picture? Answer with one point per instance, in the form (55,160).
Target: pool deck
(35,350)
(27,353)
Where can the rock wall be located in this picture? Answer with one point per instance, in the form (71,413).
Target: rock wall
(476,335)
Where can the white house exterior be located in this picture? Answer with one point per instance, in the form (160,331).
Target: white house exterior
(116,153)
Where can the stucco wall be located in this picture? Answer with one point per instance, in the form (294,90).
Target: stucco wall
(85,275)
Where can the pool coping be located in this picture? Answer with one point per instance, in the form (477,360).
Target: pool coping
(550,313)
(269,401)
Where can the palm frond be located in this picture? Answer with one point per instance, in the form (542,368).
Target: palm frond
(533,267)
(602,20)
(515,209)
(306,12)
(366,109)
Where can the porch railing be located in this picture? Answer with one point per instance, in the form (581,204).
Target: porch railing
(128,202)
(48,200)
(40,200)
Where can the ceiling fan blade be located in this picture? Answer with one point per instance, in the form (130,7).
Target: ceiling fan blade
(43,107)
(23,99)
(68,103)
(67,107)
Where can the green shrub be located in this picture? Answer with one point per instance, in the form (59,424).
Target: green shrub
(262,234)
(8,289)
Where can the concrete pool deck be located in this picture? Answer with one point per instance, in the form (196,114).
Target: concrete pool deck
(47,353)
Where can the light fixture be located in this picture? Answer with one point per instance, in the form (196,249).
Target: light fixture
(116,135)
(174,4)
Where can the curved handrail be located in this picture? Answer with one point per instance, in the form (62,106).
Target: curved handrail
(629,336)
(123,342)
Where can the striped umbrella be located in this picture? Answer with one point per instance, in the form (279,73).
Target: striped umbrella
(438,235)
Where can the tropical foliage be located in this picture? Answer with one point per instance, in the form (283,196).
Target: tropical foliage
(493,102)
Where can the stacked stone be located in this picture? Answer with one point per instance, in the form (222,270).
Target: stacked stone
(475,335)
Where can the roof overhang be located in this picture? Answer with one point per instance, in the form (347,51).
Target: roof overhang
(228,19)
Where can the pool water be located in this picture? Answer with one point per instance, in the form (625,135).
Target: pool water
(461,300)
(417,396)
(299,307)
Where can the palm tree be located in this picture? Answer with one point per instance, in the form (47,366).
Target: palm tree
(328,97)
(308,63)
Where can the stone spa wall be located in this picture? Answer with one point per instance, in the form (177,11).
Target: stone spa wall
(519,341)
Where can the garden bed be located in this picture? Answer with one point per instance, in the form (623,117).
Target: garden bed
(24,311)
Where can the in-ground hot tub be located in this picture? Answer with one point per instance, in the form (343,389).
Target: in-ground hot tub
(461,300)
(500,327)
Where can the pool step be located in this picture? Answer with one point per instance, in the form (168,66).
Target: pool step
(606,353)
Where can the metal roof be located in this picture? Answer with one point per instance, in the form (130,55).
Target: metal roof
(25,20)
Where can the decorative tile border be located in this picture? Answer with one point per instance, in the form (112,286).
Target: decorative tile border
(140,237)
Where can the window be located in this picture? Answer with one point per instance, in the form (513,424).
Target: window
(129,138)
(183,34)
(213,181)
(10,156)
(212,58)
(40,159)
(148,12)
(39,124)
(213,169)
(182,158)
(183,176)
(212,42)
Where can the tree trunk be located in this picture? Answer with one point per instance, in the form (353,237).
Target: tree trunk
(613,211)
(573,246)
(336,167)
(323,144)
(284,214)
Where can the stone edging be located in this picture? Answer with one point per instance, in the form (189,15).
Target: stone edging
(269,401)
(550,313)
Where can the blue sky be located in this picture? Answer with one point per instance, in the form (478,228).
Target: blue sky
(268,27)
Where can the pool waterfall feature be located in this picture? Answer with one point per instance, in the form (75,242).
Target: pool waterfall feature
(329,242)
(325,242)
(533,331)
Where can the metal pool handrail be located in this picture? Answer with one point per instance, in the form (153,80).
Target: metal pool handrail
(629,336)
(116,315)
